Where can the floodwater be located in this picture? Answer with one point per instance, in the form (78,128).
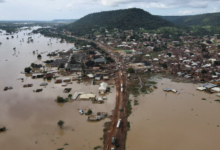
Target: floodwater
(168,121)
(31,118)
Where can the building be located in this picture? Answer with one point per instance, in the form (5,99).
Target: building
(100,60)
(87,96)
(103,87)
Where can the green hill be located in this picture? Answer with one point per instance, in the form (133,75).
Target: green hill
(125,19)
(210,19)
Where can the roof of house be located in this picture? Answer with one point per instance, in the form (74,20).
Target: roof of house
(102,59)
(103,86)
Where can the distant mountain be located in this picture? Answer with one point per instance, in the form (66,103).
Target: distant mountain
(64,20)
(210,19)
(124,19)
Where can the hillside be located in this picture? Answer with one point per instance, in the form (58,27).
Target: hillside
(125,19)
(210,19)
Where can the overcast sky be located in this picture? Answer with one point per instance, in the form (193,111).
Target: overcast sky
(75,9)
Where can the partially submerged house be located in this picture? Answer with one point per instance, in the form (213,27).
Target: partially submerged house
(87,96)
(103,87)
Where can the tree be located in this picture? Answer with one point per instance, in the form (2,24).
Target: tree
(32,65)
(169,54)
(209,42)
(213,73)
(27,70)
(164,65)
(61,99)
(90,63)
(109,59)
(2,129)
(70,95)
(60,123)
(130,70)
(204,71)
(89,112)
(39,56)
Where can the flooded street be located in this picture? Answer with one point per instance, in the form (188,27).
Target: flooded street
(168,121)
(31,118)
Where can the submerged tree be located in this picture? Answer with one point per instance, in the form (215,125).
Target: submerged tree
(60,123)
(27,70)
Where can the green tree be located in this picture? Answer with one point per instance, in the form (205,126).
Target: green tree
(60,123)
(61,99)
(70,95)
(2,129)
(89,112)
(204,71)
(164,65)
(209,42)
(32,65)
(90,63)
(213,73)
(27,70)
(39,56)
(169,54)
(130,70)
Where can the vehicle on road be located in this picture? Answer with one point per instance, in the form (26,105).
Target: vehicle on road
(113,140)
(118,124)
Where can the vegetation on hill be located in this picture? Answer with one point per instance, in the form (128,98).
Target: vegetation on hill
(126,19)
(209,19)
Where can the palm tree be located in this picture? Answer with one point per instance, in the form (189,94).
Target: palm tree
(60,123)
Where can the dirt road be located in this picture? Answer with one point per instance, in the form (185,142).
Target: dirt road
(121,101)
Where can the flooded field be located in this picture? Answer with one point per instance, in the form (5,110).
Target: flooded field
(31,118)
(168,121)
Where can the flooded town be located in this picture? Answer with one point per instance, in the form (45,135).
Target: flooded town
(99,84)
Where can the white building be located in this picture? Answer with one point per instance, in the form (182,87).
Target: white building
(103,87)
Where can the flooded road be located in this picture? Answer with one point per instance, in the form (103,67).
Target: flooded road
(31,118)
(170,121)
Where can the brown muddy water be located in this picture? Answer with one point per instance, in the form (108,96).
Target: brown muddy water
(31,118)
(167,121)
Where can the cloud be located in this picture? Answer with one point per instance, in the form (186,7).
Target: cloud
(159,3)
(58,9)
(214,10)
(189,12)
(2,1)
(198,4)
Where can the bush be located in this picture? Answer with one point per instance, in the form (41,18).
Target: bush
(130,70)
(2,129)
(61,99)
